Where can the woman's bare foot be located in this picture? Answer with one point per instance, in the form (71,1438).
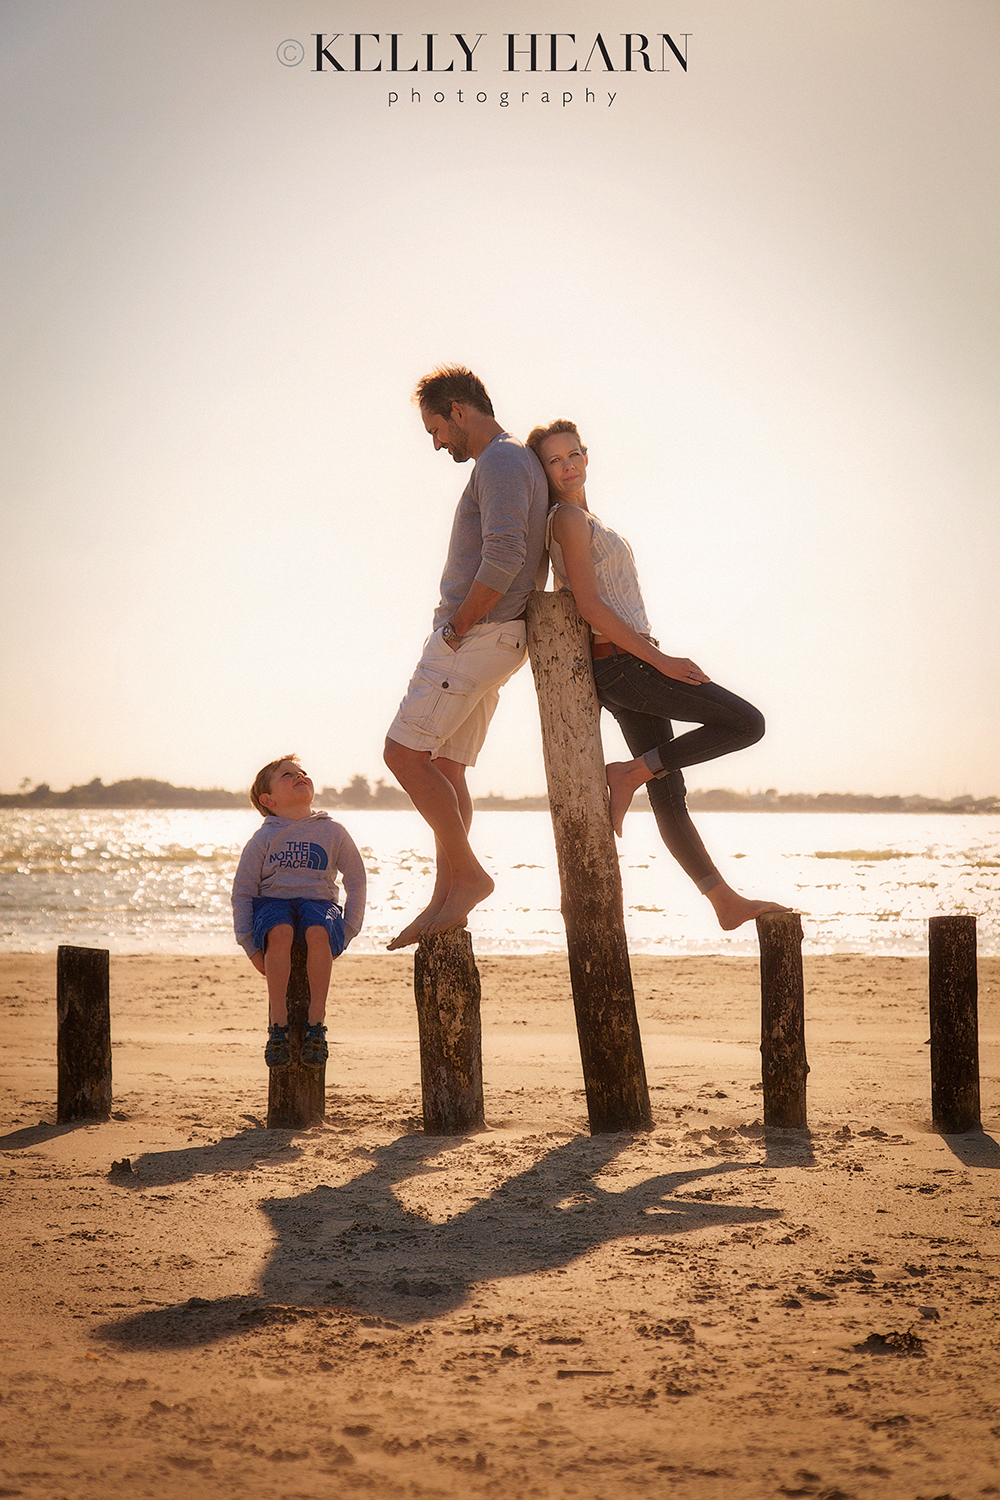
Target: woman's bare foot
(733,910)
(625,777)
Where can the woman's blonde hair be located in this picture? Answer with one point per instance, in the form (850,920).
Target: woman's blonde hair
(537,435)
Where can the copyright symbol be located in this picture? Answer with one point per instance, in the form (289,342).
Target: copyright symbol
(291,53)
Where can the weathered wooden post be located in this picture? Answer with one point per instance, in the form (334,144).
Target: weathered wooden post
(83,1037)
(782,1020)
(954,998)
(447,991)
(610,1046)
(296,1095)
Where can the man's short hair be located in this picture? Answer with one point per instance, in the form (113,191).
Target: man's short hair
(262,782)
(436,391)
(537,435)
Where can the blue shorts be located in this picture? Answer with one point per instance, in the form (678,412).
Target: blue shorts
(299,913)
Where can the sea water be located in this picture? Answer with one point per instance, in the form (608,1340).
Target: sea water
(157,881)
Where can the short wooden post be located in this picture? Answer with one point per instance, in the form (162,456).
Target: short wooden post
(610,1046)
(954,997)
(296,1095)
(447,990)
(83,1038)
(782,1020)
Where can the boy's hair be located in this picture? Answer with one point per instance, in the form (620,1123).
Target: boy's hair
(441,387)
(262,782)
(536,437)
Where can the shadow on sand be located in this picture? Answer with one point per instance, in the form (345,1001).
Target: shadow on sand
(357,1249)
(974,1148)
(37,1135)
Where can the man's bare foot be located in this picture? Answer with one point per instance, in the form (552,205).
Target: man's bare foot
(459,902)
(410,934)
(413,931)
(625,777)
(733,910)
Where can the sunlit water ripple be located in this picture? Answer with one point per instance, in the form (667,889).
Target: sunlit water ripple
(152,881)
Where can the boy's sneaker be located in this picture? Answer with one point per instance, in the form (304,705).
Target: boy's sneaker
(277,1053)
(314,1049)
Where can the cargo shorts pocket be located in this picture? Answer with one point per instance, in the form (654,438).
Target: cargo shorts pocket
(438,698)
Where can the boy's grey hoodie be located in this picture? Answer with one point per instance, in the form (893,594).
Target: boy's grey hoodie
(299,857)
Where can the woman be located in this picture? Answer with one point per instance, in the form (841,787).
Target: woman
(638,683)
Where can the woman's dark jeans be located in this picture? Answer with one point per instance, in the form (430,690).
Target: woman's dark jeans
(644,702)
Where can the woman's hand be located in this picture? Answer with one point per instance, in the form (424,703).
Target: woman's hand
(571,530)
(682,670)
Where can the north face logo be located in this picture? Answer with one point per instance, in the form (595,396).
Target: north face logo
(299,854)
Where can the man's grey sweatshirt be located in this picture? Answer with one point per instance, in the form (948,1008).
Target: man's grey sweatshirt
(498,534)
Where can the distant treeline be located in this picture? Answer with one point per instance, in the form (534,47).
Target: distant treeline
(139,792)
(720,799)
(360,795)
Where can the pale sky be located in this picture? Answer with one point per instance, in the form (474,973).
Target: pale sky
(766,288)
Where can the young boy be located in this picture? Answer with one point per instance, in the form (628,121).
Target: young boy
(286,886)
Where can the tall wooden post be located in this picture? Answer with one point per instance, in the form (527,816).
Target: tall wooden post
(782,1020)
(447,991)
(83,1037)
(954,1007)
(610,1046)
(296,1095)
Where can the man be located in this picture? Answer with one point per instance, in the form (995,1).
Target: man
(496,556)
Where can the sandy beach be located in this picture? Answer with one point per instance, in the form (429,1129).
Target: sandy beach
(705,1310)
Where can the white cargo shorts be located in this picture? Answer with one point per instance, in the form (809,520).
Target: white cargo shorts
(453,695)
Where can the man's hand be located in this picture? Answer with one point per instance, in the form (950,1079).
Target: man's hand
(474,607)
(257,959)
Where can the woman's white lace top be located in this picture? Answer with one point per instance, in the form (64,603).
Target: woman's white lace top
(614,565)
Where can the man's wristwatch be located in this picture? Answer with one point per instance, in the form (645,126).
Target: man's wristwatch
(449,634)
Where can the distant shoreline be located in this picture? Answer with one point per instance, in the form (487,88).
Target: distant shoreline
(360,796)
